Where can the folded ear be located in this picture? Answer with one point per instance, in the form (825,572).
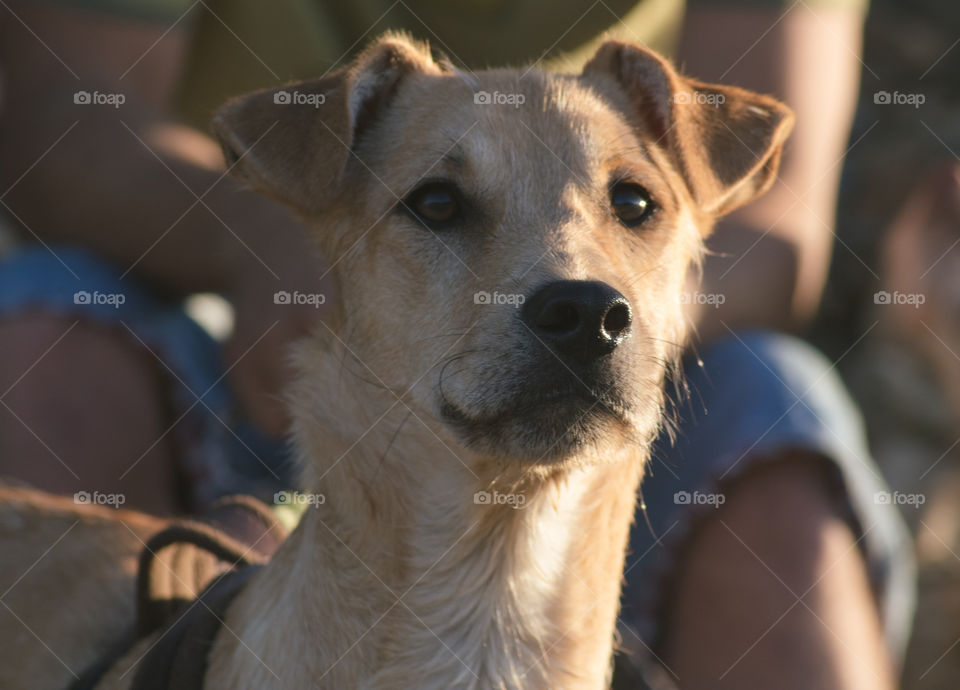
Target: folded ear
(725,141)
(293,143)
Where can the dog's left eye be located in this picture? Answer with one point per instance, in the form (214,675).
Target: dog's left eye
(434,203)
(631,203)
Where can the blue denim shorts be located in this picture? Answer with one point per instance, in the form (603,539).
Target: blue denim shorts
(751,397)
(218,451)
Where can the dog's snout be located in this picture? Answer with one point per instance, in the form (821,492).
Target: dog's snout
(579,318)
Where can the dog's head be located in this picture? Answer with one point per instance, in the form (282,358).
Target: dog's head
(511,246)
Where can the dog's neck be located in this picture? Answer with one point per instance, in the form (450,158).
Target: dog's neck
(401,578)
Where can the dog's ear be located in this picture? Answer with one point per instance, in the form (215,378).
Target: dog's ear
(293,143)
(725,141)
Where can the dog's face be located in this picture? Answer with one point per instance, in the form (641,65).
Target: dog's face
(511,247)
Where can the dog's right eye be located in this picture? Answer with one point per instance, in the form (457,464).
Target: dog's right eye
(435,203)
(631,203)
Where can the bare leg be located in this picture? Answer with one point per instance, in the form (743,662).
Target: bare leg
(79,405)
(735,620)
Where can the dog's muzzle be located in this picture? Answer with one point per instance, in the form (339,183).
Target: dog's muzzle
(570,391)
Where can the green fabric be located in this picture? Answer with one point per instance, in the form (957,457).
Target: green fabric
(242,45)
(160,11)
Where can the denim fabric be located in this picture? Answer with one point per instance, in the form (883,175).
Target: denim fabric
(218,451)
(751,396)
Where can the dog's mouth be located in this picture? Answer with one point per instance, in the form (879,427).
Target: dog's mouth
(542,425)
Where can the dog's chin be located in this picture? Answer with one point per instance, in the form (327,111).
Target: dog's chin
(542,429)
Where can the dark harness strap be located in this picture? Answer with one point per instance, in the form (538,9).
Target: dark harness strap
(178,661)
(214,556)
(178,562)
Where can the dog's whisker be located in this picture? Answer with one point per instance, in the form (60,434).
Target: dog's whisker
(375,384)
(393,439)
(447,362)
(447,334)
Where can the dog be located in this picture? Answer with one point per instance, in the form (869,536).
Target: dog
(513,248)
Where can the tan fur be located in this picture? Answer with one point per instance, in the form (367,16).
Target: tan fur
(400,579)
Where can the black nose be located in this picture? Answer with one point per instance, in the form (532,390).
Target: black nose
(584,319)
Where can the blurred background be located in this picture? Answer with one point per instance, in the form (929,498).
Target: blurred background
(898,231)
